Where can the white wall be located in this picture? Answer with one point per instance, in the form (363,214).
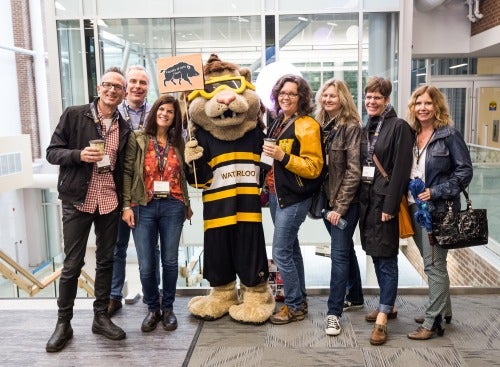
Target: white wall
(443,31)
(13,229)
(9,98)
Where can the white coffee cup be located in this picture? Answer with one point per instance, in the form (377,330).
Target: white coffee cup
(265,158)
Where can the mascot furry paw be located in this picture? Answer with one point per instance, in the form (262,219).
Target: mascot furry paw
(224,161)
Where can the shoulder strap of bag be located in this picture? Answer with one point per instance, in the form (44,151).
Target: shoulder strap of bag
(380,168)
(283,129)
(467,199)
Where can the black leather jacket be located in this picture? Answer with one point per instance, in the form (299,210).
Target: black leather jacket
(447,164)
(72,134)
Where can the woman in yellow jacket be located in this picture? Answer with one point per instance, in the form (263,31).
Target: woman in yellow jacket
(295,175)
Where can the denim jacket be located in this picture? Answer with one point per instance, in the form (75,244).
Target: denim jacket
(447,164)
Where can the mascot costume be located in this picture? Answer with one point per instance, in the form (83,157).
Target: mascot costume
(223,159)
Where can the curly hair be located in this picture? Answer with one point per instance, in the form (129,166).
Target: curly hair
(305,105)
(175,130)
(348,110)
(442,114)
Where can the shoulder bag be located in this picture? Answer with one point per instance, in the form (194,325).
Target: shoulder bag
(405,223)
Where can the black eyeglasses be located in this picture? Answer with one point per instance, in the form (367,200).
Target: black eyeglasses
(287,94)
(108,85)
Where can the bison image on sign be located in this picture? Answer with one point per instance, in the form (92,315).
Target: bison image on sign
(179,72)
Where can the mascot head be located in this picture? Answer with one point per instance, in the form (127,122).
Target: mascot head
(228,106)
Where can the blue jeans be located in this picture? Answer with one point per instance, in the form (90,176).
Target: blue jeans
(120,260)
(163,218)
(345,269)
(286,248)
(386,269)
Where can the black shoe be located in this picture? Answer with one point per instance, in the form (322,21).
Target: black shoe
(103,325)
(169,320)
(437,325)
(60,336)
(150,321)
(447,319)
(113,306)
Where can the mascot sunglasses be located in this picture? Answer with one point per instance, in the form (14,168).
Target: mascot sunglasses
(216,84)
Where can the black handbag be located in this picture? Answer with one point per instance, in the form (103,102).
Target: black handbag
(466,228)
(318,204)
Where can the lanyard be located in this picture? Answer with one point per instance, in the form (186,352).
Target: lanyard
(371,142)
(329,135)
(161,156)
(128,118)
(418,153)
(97,120)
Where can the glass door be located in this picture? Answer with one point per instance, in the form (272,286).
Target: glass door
(469,101)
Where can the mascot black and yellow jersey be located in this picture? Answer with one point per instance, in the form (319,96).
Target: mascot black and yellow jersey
(228,173)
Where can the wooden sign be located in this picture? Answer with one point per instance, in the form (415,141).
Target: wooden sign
(180,73)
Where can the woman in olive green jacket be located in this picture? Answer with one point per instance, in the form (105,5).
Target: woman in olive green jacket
(156,204)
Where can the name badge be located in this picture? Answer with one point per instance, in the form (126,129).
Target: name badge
(104,166)
(368,174)
(161,189)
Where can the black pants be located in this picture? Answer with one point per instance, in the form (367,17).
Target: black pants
(76,229)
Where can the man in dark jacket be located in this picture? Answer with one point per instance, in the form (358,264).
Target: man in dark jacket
(89,187)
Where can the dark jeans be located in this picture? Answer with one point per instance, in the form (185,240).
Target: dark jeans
(76,229)
(120,260)
(162,218)
(386,269)
(344,274)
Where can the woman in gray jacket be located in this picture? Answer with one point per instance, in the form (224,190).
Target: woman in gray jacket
(341,128)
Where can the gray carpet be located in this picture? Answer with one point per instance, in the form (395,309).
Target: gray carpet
(472,339)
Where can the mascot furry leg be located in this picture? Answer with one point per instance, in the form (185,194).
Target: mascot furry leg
(216,304)
(256,307)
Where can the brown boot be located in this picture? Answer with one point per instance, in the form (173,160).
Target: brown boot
(113,306)
(419,319)
(379,335)
(421,334)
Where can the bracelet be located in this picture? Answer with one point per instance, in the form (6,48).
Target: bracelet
(126,208)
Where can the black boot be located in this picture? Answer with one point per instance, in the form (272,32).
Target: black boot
(151,321)
(103,325)
(437,327)
(169,320)
(60,336)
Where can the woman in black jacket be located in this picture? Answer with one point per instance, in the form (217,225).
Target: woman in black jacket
(390,139)
(441,159)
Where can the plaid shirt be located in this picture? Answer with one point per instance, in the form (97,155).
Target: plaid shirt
(101,193)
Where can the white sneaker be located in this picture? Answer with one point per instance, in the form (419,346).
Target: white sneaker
(332,325)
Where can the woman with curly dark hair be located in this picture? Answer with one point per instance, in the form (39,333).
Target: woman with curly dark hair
(295,175)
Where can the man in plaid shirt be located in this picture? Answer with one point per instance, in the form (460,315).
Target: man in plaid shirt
(89,186)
